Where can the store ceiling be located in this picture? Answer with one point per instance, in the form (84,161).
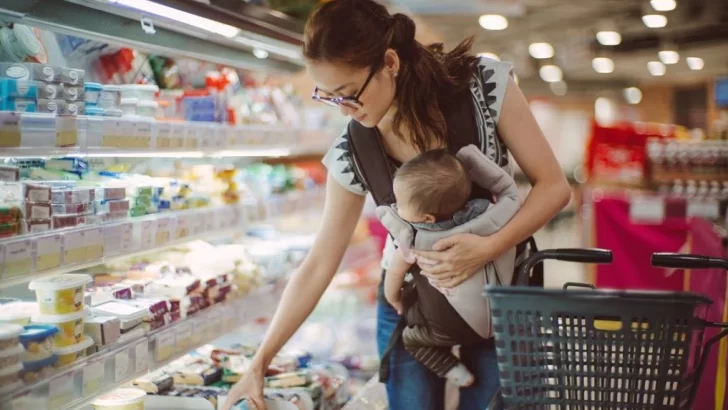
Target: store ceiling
(699,28)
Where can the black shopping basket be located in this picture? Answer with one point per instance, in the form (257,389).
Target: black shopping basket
(596,349)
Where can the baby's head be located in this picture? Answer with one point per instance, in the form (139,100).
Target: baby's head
(431,187)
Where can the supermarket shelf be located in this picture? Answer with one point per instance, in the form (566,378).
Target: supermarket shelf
(33,135)
(111,22)
(79,384)
(29,257)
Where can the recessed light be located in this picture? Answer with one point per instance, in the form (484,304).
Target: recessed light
(633,95)
(558,88)
(663,5)
(541,50)
(695,63)
(669,56)
(654,20)
(609,38)
(656,68)
(551,73)
(493,22)
(260,53)
(603,65)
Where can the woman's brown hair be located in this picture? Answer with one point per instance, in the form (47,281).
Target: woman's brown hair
(359,32)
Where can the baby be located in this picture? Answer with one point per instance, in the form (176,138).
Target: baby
(433,194)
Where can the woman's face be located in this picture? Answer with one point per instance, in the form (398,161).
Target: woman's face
(341,80)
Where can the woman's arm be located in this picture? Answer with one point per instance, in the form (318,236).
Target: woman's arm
(341,214)
(458,256)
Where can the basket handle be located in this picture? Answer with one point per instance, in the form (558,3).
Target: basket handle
(687,261)
(578,255)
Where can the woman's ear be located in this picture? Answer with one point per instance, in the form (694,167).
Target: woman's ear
(391,61)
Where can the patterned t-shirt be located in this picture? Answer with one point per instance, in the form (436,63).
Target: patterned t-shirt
(488,88)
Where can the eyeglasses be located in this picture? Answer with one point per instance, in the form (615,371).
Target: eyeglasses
(349,102)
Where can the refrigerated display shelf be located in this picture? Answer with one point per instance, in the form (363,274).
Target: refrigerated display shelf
(29,257)
(33,134)
(80,383)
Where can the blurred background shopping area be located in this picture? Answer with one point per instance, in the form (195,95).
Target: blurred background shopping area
(161,179)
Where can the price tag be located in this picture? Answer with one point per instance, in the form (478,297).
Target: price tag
(94,130)
(74,247)
(183,225)
(93,378)
(141,357)
(112,134)
(198,335)
(143,134)
(221,136)
(94,244)
(163,233)
(165,347)
(164,135)
(193,136)
(112,240)
(148,230)
(647,209)
(18,260)
(127,237)
(66,131)
(60,391)
(9,129)
(184,337)
(47,252)
(197,223)
(121,365)
(177,137)
(216,326)
(703,208)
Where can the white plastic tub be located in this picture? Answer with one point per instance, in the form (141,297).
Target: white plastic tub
(69,355)
(121,399)
(144,92)
(9,335)
(147,109)
(70,326)
(60,295)
(129,106)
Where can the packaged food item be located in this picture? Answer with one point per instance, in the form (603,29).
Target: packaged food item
(73,209)
(104,330)
(113,206)
(130,315)
(284,380)
(20,105)
(70,326)
(10,229)
(71,76)
(38,210)
(110,97)
(73,196)
(74,108)
(9,376)
(9,173)
(67,221)
(69,354)
(29,71)
(91,93)
(62,294)
(10,213)
(37,370)
(9,335)
(142,92)
(155,383)
(129,106)
(37,340)
(17,312)
(14,88)
(73,93)
(52,106)
(121,399)
(39,225)
(196,374)
(49,91)
(11,356)
(36,192)
(108,193)
(147,109)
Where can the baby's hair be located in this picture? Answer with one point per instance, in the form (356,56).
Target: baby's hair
(438,183)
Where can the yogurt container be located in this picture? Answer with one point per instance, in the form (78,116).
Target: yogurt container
(68,355)
(37,340)
(110,97)
(9,376)
(37,370)
(129,106)
(143,92)
(92,93)
(11,357)
(147,108)
(18,313)
(9,335)
(121,399)
(70,326)
(60,295)
(93,111)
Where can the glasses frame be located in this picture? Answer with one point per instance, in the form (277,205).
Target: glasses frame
(349,101)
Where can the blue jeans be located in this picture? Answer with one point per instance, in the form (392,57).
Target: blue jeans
(413,386)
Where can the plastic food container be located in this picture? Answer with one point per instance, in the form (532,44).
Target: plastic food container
(11,357)
(9,335)
(17,313)
(94,111)
(70,326)
(37,370)
(147,109)
(143,92)
(9,376)
(110,97)
(68,355)
(93,92)
(60,295)
(121,399)
(37,340)
(129,106)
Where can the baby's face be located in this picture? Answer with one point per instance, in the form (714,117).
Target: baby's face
(405,209)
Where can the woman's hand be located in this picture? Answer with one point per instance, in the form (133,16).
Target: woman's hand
(456,258)
(250,387)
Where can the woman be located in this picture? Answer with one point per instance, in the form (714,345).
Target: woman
(368,63)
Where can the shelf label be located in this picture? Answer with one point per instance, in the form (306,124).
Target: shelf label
(198,335)
(127,237)
(143,134)
(645,209)
(74,247)
(193,136)
(208,137)
(197,223)
(165,348)
(121,365)
(177,135)
(94,244)
(112,240)
(141,357)
(9,129)
(164,134)
(18,260)
(60,391)
(93,378)
(148,229)
(66,131)
(47,252)
(183,226)
(164,231)
(210,218)
(184,337)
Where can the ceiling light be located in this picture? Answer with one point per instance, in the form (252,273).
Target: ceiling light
(654,20)
(181,16)
(656,68)
(603,65)
(493,22)
(663,5)
(558,88)
(609,38)
(260,53)
(695,63)
(551,73)
(669,56)
(633,95)
(489,55)
(541,50)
